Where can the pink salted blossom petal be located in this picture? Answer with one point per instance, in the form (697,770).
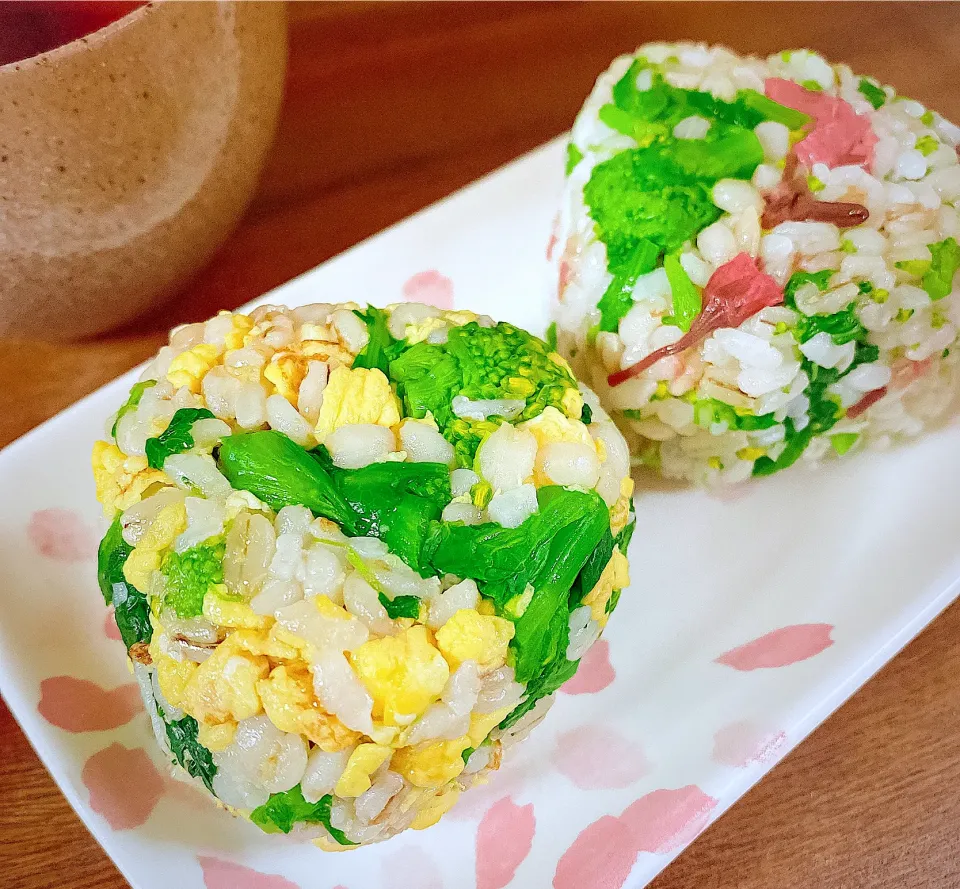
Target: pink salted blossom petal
(503,842)
(839,137)
(220,874)
(595,672)
(667,820)
(597,757)
(78,705)
(601,857)
(124,785)
(409,868)
(741,744)
(62,534)
(429,287)
(110,626)
(779,648)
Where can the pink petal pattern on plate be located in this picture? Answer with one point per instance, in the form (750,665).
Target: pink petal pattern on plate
(597,757)
(503,842)
(61,534)
(110,629)
(429,287)
(666,820)
(410,868)
(124,785)
(220,874)
(779,648)
(595,672)
(741,744)
(78,705)
(603,854)
(508,781)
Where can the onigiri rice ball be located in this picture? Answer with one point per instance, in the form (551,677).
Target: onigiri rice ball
(353,554)
(757,260)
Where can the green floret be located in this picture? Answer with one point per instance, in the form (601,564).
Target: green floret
(191,575)
(480,363)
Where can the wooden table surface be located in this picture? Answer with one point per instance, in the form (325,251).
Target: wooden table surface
(390,107)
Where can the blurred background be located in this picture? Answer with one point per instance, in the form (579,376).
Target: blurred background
(389,107)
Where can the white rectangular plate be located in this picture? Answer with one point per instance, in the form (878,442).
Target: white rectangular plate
(749,620)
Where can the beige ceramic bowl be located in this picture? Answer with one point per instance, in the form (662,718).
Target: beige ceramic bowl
(127,156)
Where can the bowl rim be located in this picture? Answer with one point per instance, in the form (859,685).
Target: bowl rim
(93,40)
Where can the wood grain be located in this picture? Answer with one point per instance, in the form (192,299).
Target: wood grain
(390,107)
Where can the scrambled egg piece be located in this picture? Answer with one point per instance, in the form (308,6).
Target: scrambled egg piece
(433,810)
(216,737)
(286,371)
(615,576)
(404,674)
(242,325)
(224,687)
(433,763)
(420,330)
(172,676)
(358,395)
(471,636)
(121,480)
(481,724)
(363,762)
(190,367)
(572,400)
(290,704)
(620,511)
(551,425)
(145,558)
(225,613)
(265,644)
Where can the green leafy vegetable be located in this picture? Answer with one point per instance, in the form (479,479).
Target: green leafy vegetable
(767,109)
(541,685)
(176,438)
(188,751)
(586,414)
(622,540)
(825,409)
(551,339)
(381,347)
(283,810)
(927,145)
(393,501)
(279,472)
(843,326)
(466,753)
(708,411)
(872,93)
(504,560)
(617,299)
(574,156)
(191,575)
(133,399)
(400,606)
(687,301)
(843,441)
(131,609)
(592,569)
(798,279)
(938,279)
